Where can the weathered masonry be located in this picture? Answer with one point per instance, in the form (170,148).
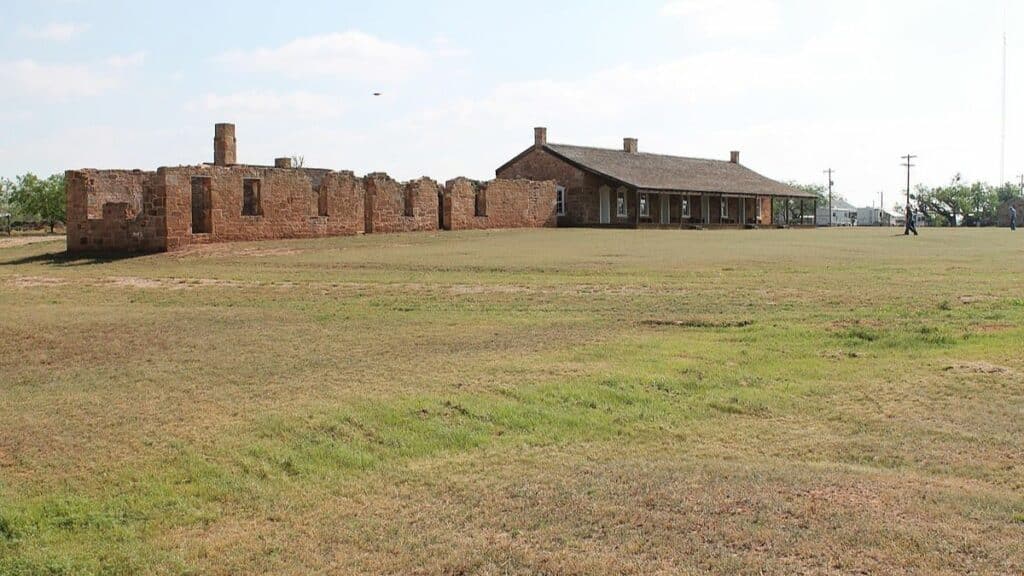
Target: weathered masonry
(630,189)
(174,207)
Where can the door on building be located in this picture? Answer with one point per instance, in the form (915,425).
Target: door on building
(606,205)
(666,215)
(201,221)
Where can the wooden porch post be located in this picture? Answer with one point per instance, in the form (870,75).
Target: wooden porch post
(636,218)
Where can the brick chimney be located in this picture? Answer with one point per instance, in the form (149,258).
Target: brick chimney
(629,145)
(540,136)
(224,147)
(283,162)
(734,157)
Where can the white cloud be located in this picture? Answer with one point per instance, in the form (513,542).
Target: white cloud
(721,19)
(29,78)
(262,103)
(127,61)
(351,53)
(54,31)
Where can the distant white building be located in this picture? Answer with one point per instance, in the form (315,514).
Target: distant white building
(873,217)
(843,213)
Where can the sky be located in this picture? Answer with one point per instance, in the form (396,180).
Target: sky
(798,86)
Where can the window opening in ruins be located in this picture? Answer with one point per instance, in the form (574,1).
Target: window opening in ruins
(409,202)
(201,220)
(560,200)
(480,201)
(251,197)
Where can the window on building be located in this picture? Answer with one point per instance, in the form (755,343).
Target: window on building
(621,208)
(560,200)
(724,205)
(251,197)
(645,206)
(480,201)
(410,202)
(757,202)
(684,210)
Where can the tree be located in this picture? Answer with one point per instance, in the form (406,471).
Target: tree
(818,190)
(959,203)
(43,199)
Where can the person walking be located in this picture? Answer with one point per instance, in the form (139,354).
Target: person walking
(911,223)
(1013,218)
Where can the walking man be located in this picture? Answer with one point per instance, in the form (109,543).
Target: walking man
(911,223)
(1013,217)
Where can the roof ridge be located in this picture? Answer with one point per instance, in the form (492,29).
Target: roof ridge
(643,153)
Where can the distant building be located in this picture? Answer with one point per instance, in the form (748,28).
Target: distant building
(843,213)
(873,217)
(627,188)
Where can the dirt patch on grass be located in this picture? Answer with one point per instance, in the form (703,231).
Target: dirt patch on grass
(977,368)
(968,299)
(699,323)
(168,283)
(36,281)
(462,289)
(13,241)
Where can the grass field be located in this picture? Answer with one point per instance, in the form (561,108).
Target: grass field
(518,402)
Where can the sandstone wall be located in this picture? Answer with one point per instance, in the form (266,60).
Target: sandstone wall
(134,211)
(114,210)
(505,203)
(289,204)
(392,206)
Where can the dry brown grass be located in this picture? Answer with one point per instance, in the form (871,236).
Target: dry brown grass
(521,402)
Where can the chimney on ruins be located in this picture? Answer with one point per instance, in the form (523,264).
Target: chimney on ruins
(283,162)
(629,145)
(540,136)
(224,147)
(734,157)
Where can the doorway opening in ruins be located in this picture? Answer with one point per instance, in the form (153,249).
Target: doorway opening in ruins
(440,210)
(202,223)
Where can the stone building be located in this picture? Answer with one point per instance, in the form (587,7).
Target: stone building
(628,188)
(174,207)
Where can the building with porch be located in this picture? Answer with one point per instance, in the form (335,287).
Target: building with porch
(630,189)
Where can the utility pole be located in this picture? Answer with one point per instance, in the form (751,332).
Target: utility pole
(908,165)
(881,206)
(830,183)
(908,214)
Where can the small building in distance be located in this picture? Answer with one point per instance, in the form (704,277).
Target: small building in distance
(873,217)
(631,189)
(842,214)
(175,207)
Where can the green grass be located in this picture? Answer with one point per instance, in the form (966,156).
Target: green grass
(548,401)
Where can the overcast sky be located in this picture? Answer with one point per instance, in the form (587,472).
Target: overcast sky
(797,86)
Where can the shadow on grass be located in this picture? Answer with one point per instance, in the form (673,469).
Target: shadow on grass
(69,259)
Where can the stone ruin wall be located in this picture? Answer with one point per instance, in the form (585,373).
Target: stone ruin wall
(114,210)
(293,203)
(392,206)
(135,211)
(504,204)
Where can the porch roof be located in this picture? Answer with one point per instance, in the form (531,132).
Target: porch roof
(658,172)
